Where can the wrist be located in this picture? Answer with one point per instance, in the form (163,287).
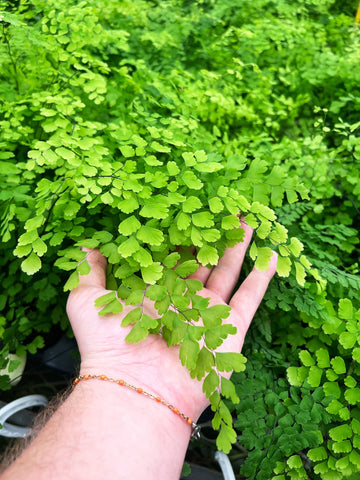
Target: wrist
(176,389)
(137,403)
(133,375)
(123,384)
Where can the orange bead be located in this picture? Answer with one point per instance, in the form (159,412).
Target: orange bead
(121,382)
(77,380)
(139,390)
(103,377)
(86,377)
(175,410)
(158,399)
(189,421)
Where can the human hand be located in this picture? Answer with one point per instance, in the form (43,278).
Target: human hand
(150,363)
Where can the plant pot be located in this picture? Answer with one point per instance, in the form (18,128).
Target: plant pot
(15,375)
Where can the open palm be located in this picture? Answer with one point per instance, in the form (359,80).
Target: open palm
(150,363)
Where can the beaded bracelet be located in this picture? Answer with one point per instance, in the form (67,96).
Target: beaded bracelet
(195,428)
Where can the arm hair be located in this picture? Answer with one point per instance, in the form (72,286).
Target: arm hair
(18,445)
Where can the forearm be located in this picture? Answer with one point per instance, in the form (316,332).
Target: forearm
(106,431)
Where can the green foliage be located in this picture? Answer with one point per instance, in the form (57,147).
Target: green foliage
(154,137)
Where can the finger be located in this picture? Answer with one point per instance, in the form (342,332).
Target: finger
(225,275)
(97,275)
(248,298)
(202,274)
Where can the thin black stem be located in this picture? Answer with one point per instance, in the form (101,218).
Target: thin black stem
(53,204)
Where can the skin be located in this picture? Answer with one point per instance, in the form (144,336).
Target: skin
(106,431)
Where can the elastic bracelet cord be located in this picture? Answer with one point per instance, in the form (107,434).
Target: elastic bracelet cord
(195,428)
